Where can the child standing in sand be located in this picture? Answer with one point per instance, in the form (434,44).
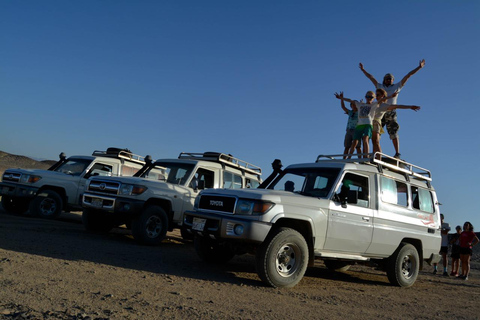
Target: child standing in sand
(468,239)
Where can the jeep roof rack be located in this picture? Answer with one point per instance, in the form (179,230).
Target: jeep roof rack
(382,160)
(223,158)
(119,153)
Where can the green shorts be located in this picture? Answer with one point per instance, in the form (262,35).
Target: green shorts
(361,131)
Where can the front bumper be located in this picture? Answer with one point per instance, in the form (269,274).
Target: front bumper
(17,190)
(226,227)
(116,205)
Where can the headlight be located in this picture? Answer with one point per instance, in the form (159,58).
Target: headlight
(131,190)
(28,178)
(252,207)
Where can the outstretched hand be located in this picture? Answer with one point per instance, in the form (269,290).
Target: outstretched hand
(361,66)
(415,108)
(339,95)
(421,64)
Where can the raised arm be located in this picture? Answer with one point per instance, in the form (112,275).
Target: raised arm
(340,96)
(342,103)
(401,106)
(368,75)
(421,64)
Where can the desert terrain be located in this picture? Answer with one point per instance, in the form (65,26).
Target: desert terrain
(53,269)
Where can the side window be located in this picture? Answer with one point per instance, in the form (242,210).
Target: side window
(251,183)
(128,171)
(232,181)
(206,177)
(100,169)
(354,187)
(393,191)
(422,200)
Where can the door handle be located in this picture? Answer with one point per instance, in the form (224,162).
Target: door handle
(367,219)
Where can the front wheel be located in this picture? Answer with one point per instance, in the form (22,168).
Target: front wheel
(211,251)
(47,204)
(96,221)
(15,205)
(151,226)
(283,258)
(403,266)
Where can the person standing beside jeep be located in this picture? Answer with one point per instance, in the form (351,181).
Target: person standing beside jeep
(455,255)
(468,239)
(444,247)
(390,118)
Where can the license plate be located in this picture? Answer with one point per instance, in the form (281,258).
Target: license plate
(97,203)
(198,224)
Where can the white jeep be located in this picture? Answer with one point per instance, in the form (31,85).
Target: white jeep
(378,210)
(154,200)
(47,192)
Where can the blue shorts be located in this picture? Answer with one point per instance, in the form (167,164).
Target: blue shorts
(362,130)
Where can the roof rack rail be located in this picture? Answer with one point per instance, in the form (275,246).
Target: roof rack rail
(119,153)
(223,158)
(381,160)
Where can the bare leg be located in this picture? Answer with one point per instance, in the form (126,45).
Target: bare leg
(396,145)
(366,146)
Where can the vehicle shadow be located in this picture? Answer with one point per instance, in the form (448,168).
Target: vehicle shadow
(66,239)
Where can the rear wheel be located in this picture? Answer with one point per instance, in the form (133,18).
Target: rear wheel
(47,204)
(151,226)
(211,251)
(403,266)
(15,205)
(96,221)
(283,258)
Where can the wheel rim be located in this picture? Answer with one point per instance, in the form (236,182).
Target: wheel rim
(408,266)
(48,207)
(153,227)
(287,259)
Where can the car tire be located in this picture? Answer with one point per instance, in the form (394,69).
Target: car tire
(403,266)
(96,221)
(47,204)
(150,228)
(15,205)
(211,251)
(282,259)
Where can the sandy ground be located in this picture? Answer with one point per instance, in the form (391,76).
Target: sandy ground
(55,270)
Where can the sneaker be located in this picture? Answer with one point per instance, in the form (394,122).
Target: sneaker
(434,271)
(466,278)
(445,273)
(461,277)
(397,155)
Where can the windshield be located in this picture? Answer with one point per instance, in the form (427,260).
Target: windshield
(74,167)
(171,172)
(313,182)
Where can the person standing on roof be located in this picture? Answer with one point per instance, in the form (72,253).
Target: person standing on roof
(377,121)
(351,124)
(390,118)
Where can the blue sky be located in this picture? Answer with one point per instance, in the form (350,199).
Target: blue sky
(251,78)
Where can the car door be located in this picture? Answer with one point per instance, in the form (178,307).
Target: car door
(350,220)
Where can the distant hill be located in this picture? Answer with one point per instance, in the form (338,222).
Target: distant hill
(8,160)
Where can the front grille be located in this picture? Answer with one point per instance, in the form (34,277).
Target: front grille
(217,203)
(11,177)
(107,187)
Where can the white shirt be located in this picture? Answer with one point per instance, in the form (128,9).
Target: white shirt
(366,112)
(391,90)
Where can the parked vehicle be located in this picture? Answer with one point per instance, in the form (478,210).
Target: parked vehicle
(154,200)
(47,192)
(377,210)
